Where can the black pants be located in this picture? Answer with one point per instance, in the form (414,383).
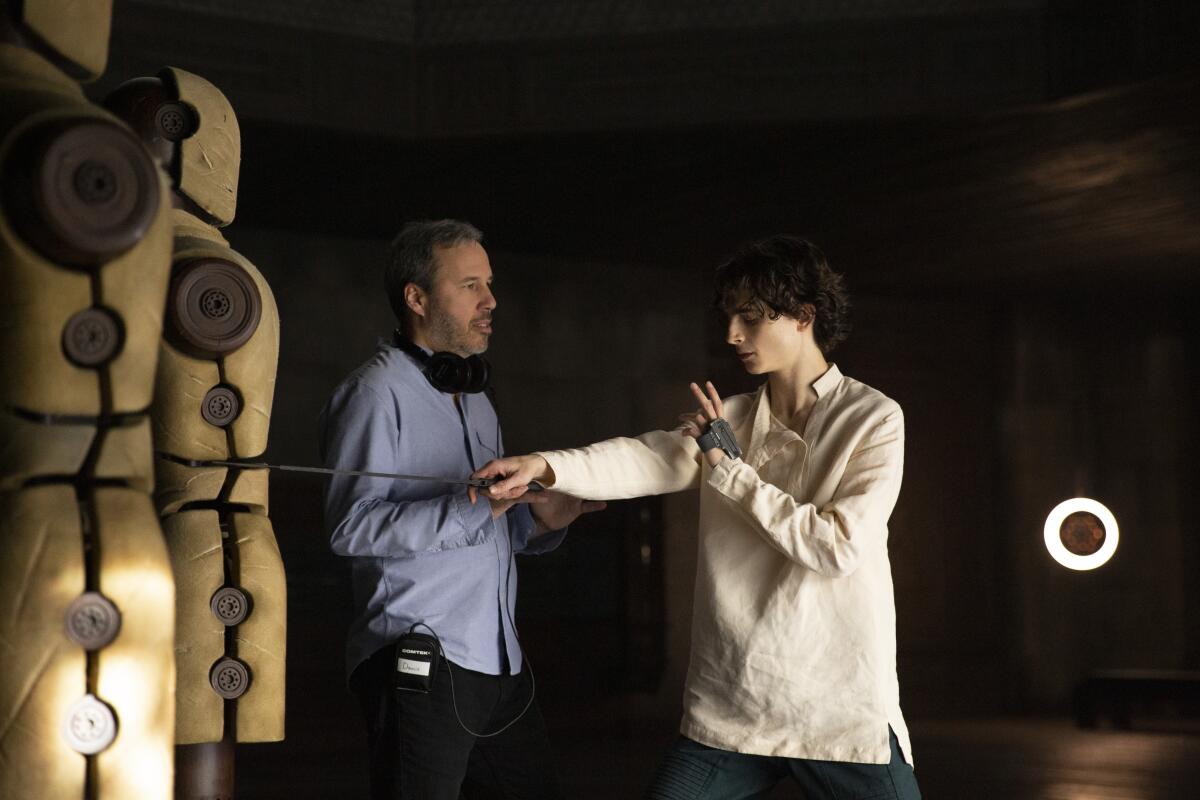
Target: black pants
(419,751)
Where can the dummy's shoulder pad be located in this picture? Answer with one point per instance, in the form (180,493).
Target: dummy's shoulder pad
(80,191)
(213,307)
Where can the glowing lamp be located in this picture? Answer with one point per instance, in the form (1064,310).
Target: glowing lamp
(1081,533)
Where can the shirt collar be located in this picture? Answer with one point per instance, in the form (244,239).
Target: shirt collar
(827,382)
(389,343)
(764,438)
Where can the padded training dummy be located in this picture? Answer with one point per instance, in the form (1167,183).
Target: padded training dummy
(212,402)
(87,629)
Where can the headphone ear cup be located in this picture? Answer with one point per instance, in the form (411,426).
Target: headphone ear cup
(479,374)
(448,372)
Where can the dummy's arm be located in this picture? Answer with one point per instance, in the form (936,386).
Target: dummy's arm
(361,435)
(830,539)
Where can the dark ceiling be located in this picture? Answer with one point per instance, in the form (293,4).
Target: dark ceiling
(485,67)
(1007,144)
(1029,198)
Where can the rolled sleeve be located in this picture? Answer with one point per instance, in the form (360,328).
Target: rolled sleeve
(362,515)
(523,527)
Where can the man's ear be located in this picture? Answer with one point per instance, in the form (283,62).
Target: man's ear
(416,299)
(807,315)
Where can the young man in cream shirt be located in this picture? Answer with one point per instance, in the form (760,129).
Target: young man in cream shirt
(793,659)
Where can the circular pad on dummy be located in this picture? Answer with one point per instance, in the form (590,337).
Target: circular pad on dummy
(230,605)
(89,725)
(92,337)
(230,678)
(92,621)
(80,192)
(213,307)
(221,406)
(174,122)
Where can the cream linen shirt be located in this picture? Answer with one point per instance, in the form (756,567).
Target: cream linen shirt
(794,624)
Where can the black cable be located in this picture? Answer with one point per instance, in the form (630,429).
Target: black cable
(512,558)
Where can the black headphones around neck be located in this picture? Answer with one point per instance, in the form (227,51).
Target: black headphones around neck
(448,372)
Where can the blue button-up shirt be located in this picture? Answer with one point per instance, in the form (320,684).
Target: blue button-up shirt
(421,551)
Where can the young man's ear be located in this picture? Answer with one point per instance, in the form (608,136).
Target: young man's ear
(807,315)
(416,299)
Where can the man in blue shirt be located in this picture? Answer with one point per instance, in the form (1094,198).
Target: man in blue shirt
(433,553)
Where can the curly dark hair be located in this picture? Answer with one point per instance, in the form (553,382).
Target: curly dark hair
(780,275)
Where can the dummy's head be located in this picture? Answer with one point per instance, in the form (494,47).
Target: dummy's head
(438,283)
(786,276)
(190,128)
(71,34)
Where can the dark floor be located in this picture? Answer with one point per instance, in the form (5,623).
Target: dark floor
(982,759)
(608,740)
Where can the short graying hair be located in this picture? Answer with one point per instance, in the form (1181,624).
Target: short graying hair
(412,259)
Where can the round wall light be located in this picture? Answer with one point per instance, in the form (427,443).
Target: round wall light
(1081,533)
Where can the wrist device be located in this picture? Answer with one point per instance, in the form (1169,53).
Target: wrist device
(719,434)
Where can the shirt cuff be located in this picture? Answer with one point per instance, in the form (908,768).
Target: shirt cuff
(724,473)
(550,540)
(473,516)
(522,525)
(558,461)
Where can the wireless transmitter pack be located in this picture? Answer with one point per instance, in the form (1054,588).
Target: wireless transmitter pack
(417,657)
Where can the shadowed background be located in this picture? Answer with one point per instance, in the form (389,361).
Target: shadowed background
(1012,189)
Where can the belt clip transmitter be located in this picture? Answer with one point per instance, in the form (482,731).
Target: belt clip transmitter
(417,658)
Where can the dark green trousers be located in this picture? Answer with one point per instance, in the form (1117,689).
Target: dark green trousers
(693,771)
